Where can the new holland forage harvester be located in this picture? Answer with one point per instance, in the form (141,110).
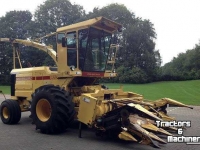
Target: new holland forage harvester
(58,95)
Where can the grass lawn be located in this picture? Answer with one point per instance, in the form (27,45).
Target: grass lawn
(187,92)
(5,89)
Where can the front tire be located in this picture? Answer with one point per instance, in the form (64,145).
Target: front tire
(52,109)
(10,112)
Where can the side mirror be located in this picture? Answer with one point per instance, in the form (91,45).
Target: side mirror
(63,42)
(119,29)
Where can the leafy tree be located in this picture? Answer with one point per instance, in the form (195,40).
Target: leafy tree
(116,12)
(137,60)
(56,13)
(185,66)
(47,18)
(14,25)
(137,41)
(131,75)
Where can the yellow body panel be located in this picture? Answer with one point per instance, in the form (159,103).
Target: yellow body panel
(86,112)
(29,79)
(113,25)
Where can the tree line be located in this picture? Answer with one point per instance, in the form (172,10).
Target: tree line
(137,61)
(186,66)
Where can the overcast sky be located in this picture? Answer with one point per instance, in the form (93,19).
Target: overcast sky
(176,22)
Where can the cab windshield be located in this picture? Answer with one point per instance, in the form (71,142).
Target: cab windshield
(93,49)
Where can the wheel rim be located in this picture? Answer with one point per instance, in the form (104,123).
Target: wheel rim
(43,110)
(6,113)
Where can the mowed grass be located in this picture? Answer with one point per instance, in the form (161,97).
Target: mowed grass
(187,92)
(5,89)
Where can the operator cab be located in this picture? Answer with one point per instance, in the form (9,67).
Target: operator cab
(93,49)
(87,45)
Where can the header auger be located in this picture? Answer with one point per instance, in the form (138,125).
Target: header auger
(58,95)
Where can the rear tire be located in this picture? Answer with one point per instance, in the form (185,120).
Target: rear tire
(10,112)
(52,109)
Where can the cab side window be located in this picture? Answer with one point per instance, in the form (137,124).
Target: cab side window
(71,40)
(59,37)
(71,49)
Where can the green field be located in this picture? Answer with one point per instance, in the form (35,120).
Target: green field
(187,92)
(5,89)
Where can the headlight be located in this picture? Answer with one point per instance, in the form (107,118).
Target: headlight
(72,68)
